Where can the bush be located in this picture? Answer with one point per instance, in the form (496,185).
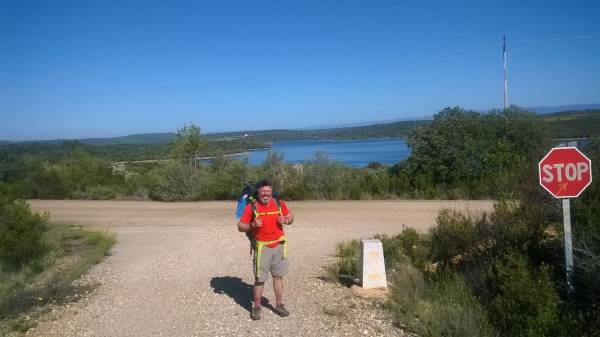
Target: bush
(480,154)
(345,267)
(26,295)
(453,237)
(324,177)
(21,233)
(586,246)
(48,184)
(439,306)
(525,226)
(407,287)
(409,243)
(587,206)
(392,249)
(416,246)
(177,181)
(522,302)
(97,192)
(585,272)
(227,177)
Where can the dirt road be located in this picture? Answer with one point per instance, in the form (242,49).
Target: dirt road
(182,269)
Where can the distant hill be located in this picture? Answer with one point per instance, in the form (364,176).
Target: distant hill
(562,108)
(364,123)
(574,124)
(143,138)
(565,121)
(538,110)
(387,130)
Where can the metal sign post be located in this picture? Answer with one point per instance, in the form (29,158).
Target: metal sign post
(566,204)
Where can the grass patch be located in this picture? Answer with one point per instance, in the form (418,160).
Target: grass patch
(345,267)
(26,294)
(442,305)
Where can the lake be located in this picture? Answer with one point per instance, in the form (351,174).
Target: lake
(355,153)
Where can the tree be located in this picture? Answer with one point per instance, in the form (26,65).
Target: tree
(80,171)
(274,169)
(483,154)
(188,144)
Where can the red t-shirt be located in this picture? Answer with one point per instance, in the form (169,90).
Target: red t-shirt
(270,229)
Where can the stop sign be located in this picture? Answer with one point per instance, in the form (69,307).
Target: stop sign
(565,172)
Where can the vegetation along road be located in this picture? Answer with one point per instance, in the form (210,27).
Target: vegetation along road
(183,269)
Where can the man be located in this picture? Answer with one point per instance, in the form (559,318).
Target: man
(266,220)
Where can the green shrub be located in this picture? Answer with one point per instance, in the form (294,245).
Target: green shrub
(324,177)
(8,193)
(347,254)
(475,152)
(409,243)
(525,226)
(439,306)
(98,192)
(102,241)
(587,206)
(416,246)
(586,246)
(227,177)
(21,233)
(407,288)
(48,184)
(178,181)
(453,237)
(522,301)
(393,250)
(27,294)
(586,276)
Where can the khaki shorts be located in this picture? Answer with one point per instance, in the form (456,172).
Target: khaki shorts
(271,261)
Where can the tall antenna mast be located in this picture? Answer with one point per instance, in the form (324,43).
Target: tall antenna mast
(505,73)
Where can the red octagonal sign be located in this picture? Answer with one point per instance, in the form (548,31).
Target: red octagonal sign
(565,172)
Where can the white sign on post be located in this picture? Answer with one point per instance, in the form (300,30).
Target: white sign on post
(371,265)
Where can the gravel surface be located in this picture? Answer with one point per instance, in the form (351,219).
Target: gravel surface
(183,269)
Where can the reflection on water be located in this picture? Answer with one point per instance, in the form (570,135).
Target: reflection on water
(355,153)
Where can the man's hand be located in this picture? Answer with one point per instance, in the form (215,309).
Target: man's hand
(285,219)
(256,223)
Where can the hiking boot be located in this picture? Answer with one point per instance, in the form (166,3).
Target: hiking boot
(280,310)
(255,314)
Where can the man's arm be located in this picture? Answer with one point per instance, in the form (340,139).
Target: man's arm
(243,227)
(289,218)
(247,221)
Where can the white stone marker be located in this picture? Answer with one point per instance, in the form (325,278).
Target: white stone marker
(371,268)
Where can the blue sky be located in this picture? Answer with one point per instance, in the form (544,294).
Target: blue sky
(74,69)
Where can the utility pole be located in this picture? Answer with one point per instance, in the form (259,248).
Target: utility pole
(505,73)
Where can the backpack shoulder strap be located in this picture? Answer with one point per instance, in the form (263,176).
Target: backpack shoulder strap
(278,202)
(254,209)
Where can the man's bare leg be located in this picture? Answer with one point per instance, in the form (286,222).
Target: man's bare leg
(278,288)
(259,287)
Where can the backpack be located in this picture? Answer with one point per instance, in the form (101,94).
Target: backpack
(249,195)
